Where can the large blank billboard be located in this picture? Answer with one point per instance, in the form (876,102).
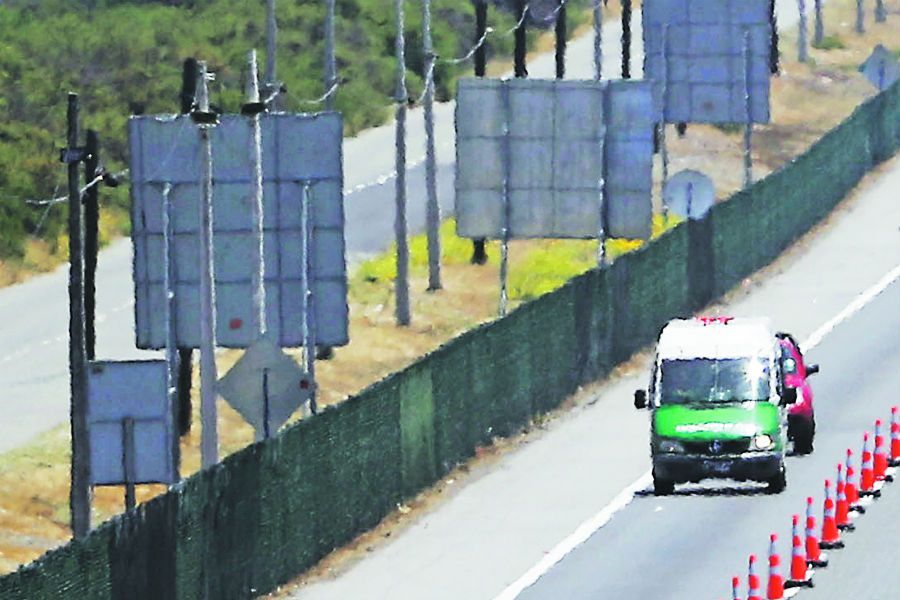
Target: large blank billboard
(539,156)
(298,151)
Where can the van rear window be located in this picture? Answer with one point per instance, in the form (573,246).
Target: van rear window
(710,380)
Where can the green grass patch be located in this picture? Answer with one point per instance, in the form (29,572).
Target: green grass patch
(829,42)
(551,264)
(546,266)
(729,128)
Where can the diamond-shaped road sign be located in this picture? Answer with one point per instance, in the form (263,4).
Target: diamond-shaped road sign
(265,382)
(881,68)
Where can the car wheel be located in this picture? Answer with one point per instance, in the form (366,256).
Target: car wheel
(777,482)
(803,437)
(662,487)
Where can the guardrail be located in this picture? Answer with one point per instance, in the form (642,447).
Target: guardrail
(272,510)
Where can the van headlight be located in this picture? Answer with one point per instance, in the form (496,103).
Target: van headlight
(762,442)
(671,447)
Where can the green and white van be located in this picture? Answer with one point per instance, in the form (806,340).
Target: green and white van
(717,404)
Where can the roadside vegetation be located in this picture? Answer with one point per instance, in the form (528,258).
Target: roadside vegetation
(125,57)
(34,479)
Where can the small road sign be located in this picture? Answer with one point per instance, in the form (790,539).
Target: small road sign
(266,386)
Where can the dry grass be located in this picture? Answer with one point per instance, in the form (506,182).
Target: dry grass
(807,101)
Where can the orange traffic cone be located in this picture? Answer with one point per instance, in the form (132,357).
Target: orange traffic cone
(842,509)
(800,575)
(850,489)
(867,472)
(814,556)
(831,537)
(753,592)
(895,438)
(881,457)
(775,588)
(735,588)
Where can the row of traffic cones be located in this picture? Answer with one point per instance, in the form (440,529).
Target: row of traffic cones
(807,554)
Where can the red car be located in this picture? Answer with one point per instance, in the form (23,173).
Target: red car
(801,416)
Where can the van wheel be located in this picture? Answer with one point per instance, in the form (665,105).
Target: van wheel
(662,487)
(778,482)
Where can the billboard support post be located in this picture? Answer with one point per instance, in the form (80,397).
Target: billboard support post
(205,120)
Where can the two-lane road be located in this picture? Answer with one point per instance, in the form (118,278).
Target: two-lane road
(689,545)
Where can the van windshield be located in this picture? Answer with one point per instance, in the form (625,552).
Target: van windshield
(710,380)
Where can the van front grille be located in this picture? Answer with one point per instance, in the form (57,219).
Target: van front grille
(718,447)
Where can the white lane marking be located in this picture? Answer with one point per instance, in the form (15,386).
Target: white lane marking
(578,537)
(99,318)
(383,179)
(851,309)
(624,498)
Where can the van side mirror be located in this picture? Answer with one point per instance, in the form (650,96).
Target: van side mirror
(812,369)
(640,398)
(789,396)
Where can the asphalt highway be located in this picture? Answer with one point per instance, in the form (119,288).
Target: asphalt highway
(690,544)
(493,532)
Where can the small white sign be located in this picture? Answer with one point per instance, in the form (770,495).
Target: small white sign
(136,390)
(265,382)
(689,194)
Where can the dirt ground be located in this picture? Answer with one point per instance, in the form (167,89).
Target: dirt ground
(34,479)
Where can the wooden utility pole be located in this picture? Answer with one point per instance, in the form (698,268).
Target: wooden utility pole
(401,287)
(561,40)
(190,74)
(626,39)
(433,207)
(80,491)
(479,250)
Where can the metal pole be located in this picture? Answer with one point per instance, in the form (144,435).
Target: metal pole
(774,58)
(172,362)
(433,208)
(402,282)
(663,146)
(504,234)
(690,199)
(626,39)
(860,17)
(91,233)
(330,59)
(209,436)
(598,40)
(479,251)
(521,71)
(309,323)
(802,52)
(819,34)
(598,75)
(266,433)
(80,491)
(880,12)
(561,40)
(271,46)
(128,461)
(252,109)
(601,208)
(748,130)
